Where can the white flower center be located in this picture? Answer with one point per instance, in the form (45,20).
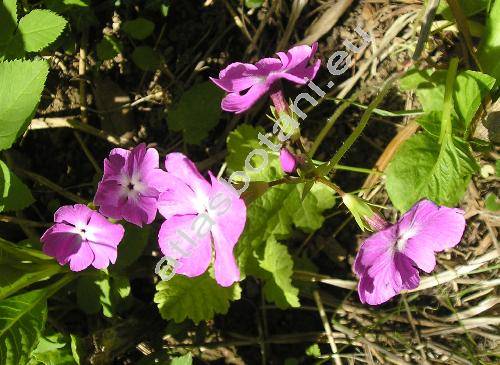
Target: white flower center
(132,186)
(403,239)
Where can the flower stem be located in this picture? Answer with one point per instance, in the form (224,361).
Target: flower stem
(361,126)
(330,122)
(447,103)
(331,185)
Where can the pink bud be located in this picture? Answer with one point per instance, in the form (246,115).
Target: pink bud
(288,161)
(376,222)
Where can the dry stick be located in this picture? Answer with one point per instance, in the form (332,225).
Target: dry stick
(261,27)
(71,122)
(237,20)
(297,7)
(81,75)
(414,329)
(52,186)
(326,22)
(429,14)
(426,282)
(386,156)
(87,152)
(348,85)
(352,335)
(22,221)
(327,327)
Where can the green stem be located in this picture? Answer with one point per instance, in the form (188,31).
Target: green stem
(447,103)
(331,185)
(330,122)
(361,126)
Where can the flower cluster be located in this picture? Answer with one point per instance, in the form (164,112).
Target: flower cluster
(133,188)
(205,218)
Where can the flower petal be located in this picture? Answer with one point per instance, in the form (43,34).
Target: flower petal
(77,215)
(375,247)
(386,278)
(184,169)
(436,227)
(82,258)
(60,241)
(238,103)
(237,77)
(229,213)
(177,199)
(178,240)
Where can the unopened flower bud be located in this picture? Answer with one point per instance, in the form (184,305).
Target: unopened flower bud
(365,217)
(288,161)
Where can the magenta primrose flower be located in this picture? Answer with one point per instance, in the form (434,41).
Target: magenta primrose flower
(387,261)
(82,237)
(131,185)
(246,83)
(199,214)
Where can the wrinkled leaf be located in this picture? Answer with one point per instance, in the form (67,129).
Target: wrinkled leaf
(139,28)
(423,169)
(198,298)
(146,58)
(39,28)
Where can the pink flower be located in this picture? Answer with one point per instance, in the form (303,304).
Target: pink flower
(199,214)
(387,261)
(247,83)
(288,161)
(131,185)
(82,237)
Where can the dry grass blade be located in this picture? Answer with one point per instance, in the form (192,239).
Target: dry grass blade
(326,22)
(474,311)
(430,13)
(297,7)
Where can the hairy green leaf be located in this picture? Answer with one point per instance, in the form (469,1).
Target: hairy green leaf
(198,298)
(15,195)
(197,112)
(22,319)
(183,360)
(423,169)
(277,270)
(22,84)
(39,28)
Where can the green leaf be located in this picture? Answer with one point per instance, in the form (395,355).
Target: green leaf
(21,267)
(22,319)
(424,169)
(8,18)
(198,298)
(146,58)
(15,195)
(109,47)
(253,4)
(492,203)
(489,49)
(101,291)
(282,206)
(197,112)
(22,84)
(39,28)
(277,270)
(52,350)
(470,89)
(183,360)
(132,245)
(139,28)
